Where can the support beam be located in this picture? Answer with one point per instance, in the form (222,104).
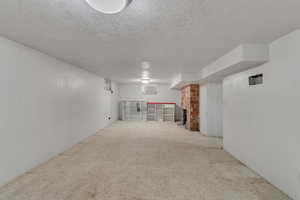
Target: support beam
(242,58)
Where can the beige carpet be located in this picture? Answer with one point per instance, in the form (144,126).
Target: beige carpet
(142,161)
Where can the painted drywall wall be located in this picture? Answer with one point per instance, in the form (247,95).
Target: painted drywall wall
(134,92)
(46,107)
(114,102)
(211,106)
(261,123)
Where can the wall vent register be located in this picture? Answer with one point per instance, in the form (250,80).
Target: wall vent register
(256,79)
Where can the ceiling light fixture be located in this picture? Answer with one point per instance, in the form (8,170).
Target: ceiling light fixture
(146,65)
(145,81)
(145,78)
(145,75)
(109,6)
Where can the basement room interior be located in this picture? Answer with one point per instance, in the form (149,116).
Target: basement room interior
(149,100)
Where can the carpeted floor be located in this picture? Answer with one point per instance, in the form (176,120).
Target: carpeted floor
(142,161)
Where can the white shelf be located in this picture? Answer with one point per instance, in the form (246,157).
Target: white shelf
(161,112)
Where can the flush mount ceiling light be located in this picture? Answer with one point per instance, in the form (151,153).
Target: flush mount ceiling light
(145,81)
(146,65)
(109,6)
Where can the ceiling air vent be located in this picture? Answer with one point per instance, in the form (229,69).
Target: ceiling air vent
(149,89)
(256,79)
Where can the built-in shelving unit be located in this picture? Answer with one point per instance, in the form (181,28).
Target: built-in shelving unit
(151,111)
(133,110)
(161,111)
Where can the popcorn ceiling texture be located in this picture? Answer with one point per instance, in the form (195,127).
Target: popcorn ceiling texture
(142,161)
(174,35)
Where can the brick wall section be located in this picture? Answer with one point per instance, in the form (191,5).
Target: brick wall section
(190,102)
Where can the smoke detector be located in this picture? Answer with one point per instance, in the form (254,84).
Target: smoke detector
(109,6)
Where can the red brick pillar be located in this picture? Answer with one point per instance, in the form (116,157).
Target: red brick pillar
(190,102)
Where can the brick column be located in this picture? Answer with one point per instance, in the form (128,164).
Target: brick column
(190,102)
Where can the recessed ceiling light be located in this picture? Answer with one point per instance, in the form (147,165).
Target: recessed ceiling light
(145,75)
(145,81)
(109,6)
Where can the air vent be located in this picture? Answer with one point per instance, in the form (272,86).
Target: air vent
(256,79)
(149,89)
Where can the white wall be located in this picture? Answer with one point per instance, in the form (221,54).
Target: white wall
(261,123)
(46,106)
(134,92)
(114,102)
(211,107)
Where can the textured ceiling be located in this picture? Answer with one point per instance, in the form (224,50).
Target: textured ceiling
(174,35)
